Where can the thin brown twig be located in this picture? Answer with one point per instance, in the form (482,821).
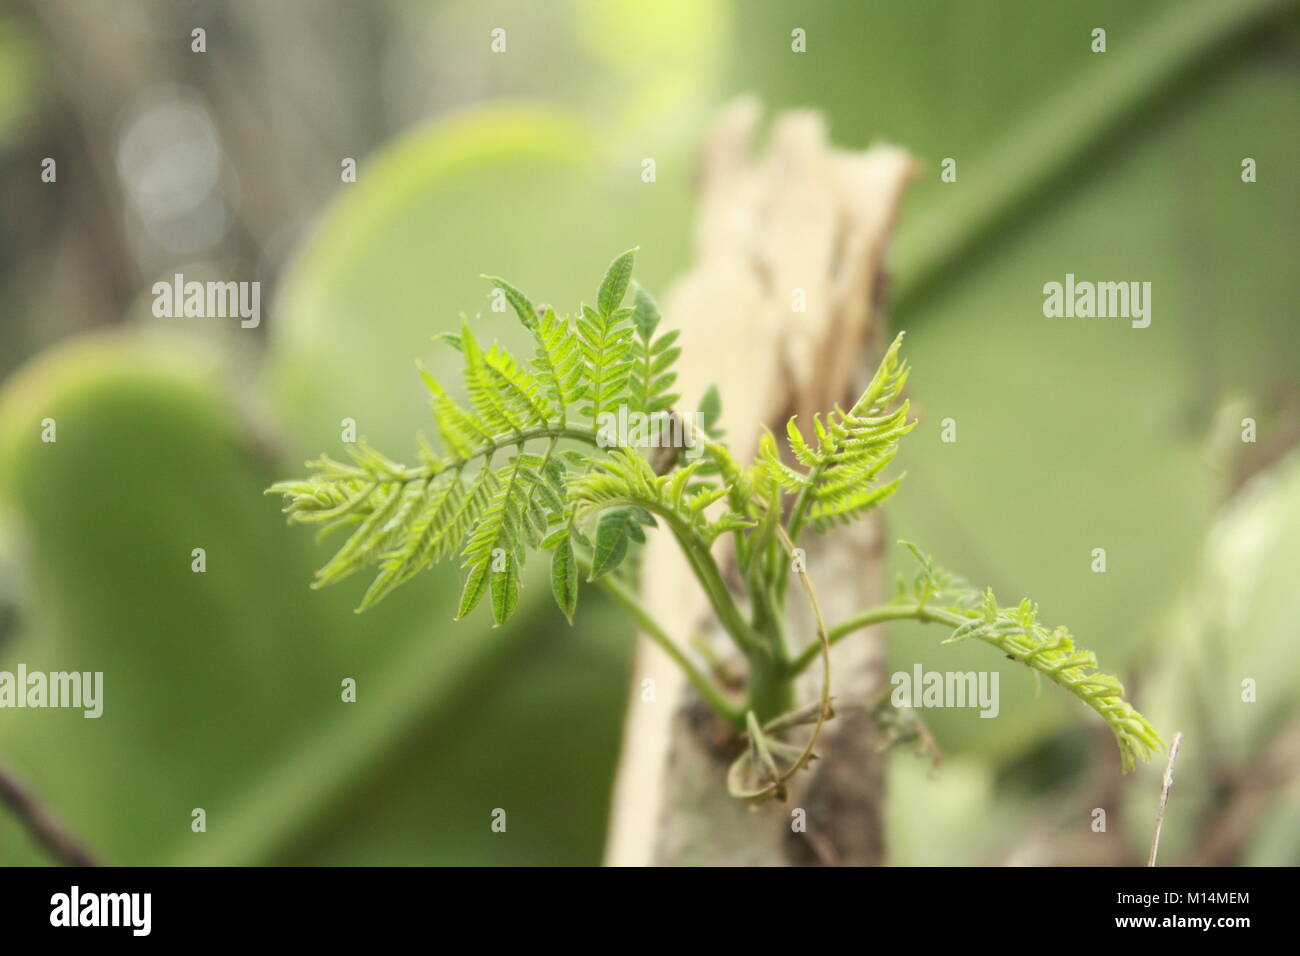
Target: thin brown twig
(1164,796)
(41,825)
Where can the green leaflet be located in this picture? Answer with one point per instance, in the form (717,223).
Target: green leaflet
(711,411)
(616,528)
(614,286)
(558,362)
(564,577)
(505,589)
(475,585)
(525,309)
(645,313)
(606,344)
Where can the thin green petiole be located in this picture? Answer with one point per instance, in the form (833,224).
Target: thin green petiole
(907,611)
(707,689)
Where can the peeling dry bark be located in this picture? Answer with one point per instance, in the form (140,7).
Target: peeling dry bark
(800,216)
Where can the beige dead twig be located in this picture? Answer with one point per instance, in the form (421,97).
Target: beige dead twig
(1164,796)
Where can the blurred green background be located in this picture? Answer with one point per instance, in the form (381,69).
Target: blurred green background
(223,689)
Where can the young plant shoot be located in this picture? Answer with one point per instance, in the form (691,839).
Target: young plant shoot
(534,462)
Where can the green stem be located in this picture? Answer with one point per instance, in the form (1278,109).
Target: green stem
(907,611)
(497,442)
(710,576)
(771,689)
(1059,660)
(707,689)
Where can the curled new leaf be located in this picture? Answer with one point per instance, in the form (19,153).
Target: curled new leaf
(846,452)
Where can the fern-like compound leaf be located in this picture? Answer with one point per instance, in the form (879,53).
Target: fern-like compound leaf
(1016,632)
(839,466)
(462,499)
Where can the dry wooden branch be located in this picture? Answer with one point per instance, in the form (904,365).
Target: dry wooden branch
(1164,796)
(780,313)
